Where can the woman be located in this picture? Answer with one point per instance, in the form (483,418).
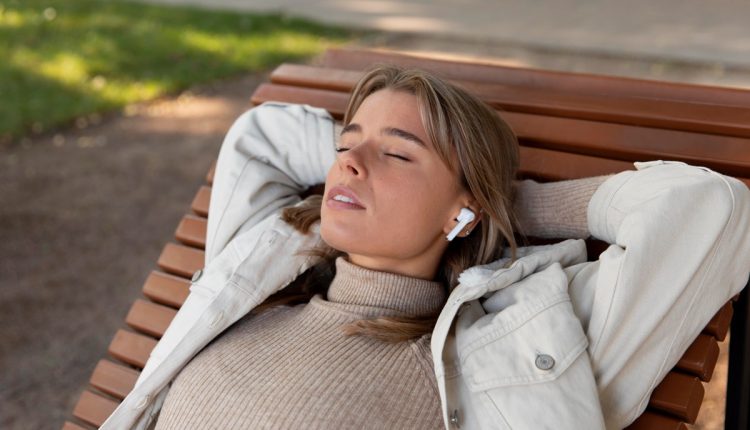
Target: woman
(411,318)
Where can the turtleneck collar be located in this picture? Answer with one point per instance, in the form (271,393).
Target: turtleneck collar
(357,285)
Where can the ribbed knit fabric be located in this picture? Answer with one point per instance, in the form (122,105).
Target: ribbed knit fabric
(290,367)
(555,209)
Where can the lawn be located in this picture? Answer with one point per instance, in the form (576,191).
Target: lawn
(62,59)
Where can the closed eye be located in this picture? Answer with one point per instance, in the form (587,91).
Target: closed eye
(391,155)
(398,156)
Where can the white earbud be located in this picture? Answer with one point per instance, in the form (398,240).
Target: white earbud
(464,217)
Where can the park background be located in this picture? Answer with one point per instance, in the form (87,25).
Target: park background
(111,113)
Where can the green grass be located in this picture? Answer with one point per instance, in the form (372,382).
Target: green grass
(62,59)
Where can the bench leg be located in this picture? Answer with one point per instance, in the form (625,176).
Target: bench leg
(738,378)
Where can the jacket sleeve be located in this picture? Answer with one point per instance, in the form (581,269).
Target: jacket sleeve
(271,154)
(680,249)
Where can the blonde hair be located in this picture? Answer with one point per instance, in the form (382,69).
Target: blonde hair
(488,159)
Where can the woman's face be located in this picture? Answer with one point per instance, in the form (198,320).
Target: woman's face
(408,199)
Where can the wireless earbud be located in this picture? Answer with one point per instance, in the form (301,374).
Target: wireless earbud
(464,217)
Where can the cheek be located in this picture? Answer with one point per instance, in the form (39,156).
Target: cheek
(412,212)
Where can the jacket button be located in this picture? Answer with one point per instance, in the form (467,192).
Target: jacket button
(141,403)
(544,362)
(454,418)
(197,275)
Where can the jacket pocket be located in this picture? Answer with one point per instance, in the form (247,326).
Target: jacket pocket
(535,349)
(525,361)
(529,333)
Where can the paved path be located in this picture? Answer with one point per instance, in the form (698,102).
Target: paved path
(697,31)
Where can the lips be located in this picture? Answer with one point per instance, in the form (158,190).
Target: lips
(344,191)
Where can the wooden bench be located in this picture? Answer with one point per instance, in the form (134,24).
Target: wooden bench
(569,126)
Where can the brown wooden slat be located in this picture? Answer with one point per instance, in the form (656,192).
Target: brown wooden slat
(727,155)
(700,358)
(201,201)
(192,231)
(114,379)
(166,289)
(72,426)
(323,78)
(714,119)
(131,348)
(150,318)
(654,421)
(704,119)
(550,165)
(94,408)
(581,83)
(332,101)
(180,260)
(211,172)
(679,395)
(718,327)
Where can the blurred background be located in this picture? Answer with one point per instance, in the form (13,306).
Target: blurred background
(111,113)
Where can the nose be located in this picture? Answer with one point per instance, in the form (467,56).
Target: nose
(352,160)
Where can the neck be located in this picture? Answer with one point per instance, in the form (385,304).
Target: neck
(424,266)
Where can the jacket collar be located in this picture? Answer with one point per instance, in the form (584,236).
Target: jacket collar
(498,274)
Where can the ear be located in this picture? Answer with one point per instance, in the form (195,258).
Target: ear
(466,202)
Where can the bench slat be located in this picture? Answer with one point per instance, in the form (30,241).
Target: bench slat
(718,327)
(332,101)
(114,379)
(549,165)
(727,120)
(604,140)
(180,260)
(192,231)
(679,395)
(166,289)
(581,83)
(131,348)
(150,318)
(94,408)
(654,421)
(700,358)
(201,201)
(623,142)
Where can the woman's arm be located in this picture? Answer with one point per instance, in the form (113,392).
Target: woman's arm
(680,249)
(555,209)
(270,155)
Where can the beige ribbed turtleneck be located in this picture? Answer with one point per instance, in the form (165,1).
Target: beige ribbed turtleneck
(291,367)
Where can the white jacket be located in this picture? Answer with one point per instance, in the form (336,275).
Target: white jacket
(553,341)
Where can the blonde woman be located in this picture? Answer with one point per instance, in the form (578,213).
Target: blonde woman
(401,299)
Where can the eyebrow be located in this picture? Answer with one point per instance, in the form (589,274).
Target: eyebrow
(391,131)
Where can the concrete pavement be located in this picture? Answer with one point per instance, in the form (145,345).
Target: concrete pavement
(685,40)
